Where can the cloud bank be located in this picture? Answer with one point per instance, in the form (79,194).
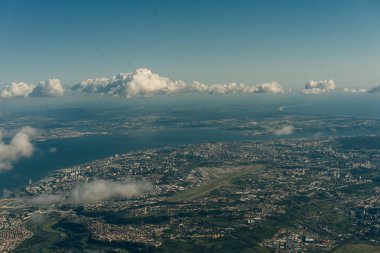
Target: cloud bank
(144,83)
(286,130)
(49,88)
(19,146)
(101,190)
(319,87)
(94,192)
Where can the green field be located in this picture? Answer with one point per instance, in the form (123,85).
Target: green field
(44,236)
(353,248)
(54,233)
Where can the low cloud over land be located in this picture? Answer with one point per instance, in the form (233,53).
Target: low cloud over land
(46,199)
(94,192)
(101,190)
(286,130)
(19,146)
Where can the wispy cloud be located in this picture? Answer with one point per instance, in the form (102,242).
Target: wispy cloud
(46,199)
(285,130)
(374,89)
(94,192)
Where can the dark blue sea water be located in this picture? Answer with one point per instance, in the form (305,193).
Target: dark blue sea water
(351,105)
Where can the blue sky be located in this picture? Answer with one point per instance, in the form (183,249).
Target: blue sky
(211,41)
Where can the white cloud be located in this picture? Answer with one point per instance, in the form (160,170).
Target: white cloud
(143,82)
(273,87)
(354,90)
(20,89)
(140,83)
(375,89)
(92,85)
(49,88)
(319,87)
(221,88)
(19,146)
(286,130)
(101,190)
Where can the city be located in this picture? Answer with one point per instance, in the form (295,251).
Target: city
(286,195)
